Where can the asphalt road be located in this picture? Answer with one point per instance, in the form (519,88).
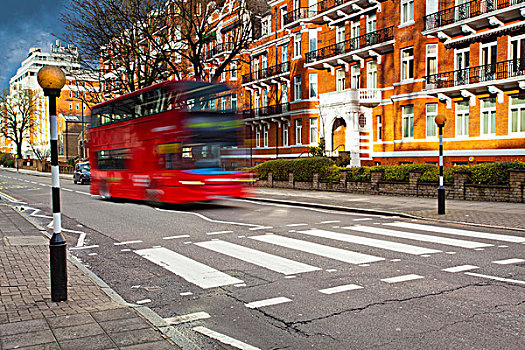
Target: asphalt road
(267,276)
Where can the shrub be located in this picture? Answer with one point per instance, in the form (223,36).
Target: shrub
(361,173)
(493,173)
(400,173)
(302,168)
(10,163)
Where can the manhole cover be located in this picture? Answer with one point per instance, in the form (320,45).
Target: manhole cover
(26,240)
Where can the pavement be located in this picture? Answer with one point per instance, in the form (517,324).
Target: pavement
(95,317)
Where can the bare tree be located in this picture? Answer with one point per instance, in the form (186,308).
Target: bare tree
(18,115)
(131,44)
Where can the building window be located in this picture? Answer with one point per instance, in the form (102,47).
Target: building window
(312,40)
(408,121)
(340,38)
(257,137)
(407,11)
(233,70)
(297,88)
(432,6)
(284,96)
(70,106)
(265,136)
(255,102)
(462,115)
(313,85)
(298,131)
(283,16)
(78,106)
(355,77)
(517,112)
(371,71)
(313,131)
(432,59)
(285,135)
(407,63)
(488,116)
(70,94)
(297,45)
(431,113)
(379,128)
(234,102)
(340,79)
(361,121)
(223,103)
(266,26)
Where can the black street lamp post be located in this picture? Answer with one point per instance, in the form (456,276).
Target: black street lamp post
(440,121)
(52,79)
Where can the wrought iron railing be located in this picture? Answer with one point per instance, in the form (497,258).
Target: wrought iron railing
(300,13)
(265,111)
(352,44)
(464,11)
(220,48)
(326,5)
(266,72)
(479,74)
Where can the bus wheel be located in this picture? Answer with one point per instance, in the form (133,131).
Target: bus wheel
(104,190)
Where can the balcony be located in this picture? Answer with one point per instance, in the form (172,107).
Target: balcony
(473,15)
(299,14)
(509,74)
(220,49)
(266,111)
(381,41)
(326,11)
(279,70)
(365,97)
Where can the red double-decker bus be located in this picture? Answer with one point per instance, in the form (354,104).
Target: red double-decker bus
(173,142)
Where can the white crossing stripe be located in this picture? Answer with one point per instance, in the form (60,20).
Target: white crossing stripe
(362,219)
(461,268)
(330,222)
(224,338)
(191,270)
(376,243)
(419,237)
(458,232)
(294,225)
(187,318)
(217,233)
(127,242)
(268,261)
(403,278)
(509,261)
(339,289)
(495,278)
(267,302)
(175,237)
(318,249)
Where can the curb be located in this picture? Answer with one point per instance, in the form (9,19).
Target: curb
(168,331)
(376,212)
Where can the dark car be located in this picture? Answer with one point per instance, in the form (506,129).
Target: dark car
(82,173)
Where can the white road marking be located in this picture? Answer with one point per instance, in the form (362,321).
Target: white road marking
(503,246)
(461,268)
(403,278)
(206,218)
(125,250)
(86,193)
(67,189)
(240,285)
(362,219)
(252,256)
(495,278)
(339,289)
(267,302)
(509,261)
(224,338)
(191,270)
(143,301)
(218,233)
(371,242)
(175,237)
(81,239)
(188,318)
(185,294)
(418,237)
(331,270)
(84,247)
(458,232)
(318,249)
(450,253)
(127,242)
(330,222)
(260,228)
(294,225)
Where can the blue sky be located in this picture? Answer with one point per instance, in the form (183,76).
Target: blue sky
(25,24)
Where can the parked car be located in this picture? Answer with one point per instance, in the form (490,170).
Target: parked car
(82,173)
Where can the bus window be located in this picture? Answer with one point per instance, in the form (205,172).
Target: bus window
(114,159)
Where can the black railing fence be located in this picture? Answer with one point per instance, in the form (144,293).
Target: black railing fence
(479,74)
(265,111)
(300,13)
(464,11)
(269,72)
(220,48)
(352,44)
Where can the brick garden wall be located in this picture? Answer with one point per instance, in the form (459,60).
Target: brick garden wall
(460,189)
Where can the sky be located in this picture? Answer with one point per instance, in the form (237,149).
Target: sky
(25,24)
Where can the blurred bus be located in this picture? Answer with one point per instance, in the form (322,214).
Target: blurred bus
(170,142)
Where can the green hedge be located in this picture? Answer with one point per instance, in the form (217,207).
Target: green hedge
(304,168)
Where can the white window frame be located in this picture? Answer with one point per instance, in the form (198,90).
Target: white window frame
(233,102)
(265,136)
(284,11)
(462,119)
(491,113)
(520,116)
(371,74)
(286,141)
(266,26)
(431,56)
(312,40)
(257,137)
(297,46)
(297,88)
(233,70)
(432,6)
(431,127)
(313,86)
(340,77)
(407,64)
(379,127)
(314,130)
(355,76)
(298,131)
(407,11)
(408,121)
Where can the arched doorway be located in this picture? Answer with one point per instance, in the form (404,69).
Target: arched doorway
(338,135)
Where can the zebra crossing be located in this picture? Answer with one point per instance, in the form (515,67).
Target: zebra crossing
(204,276)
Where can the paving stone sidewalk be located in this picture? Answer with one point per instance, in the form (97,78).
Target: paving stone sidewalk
(89,319)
